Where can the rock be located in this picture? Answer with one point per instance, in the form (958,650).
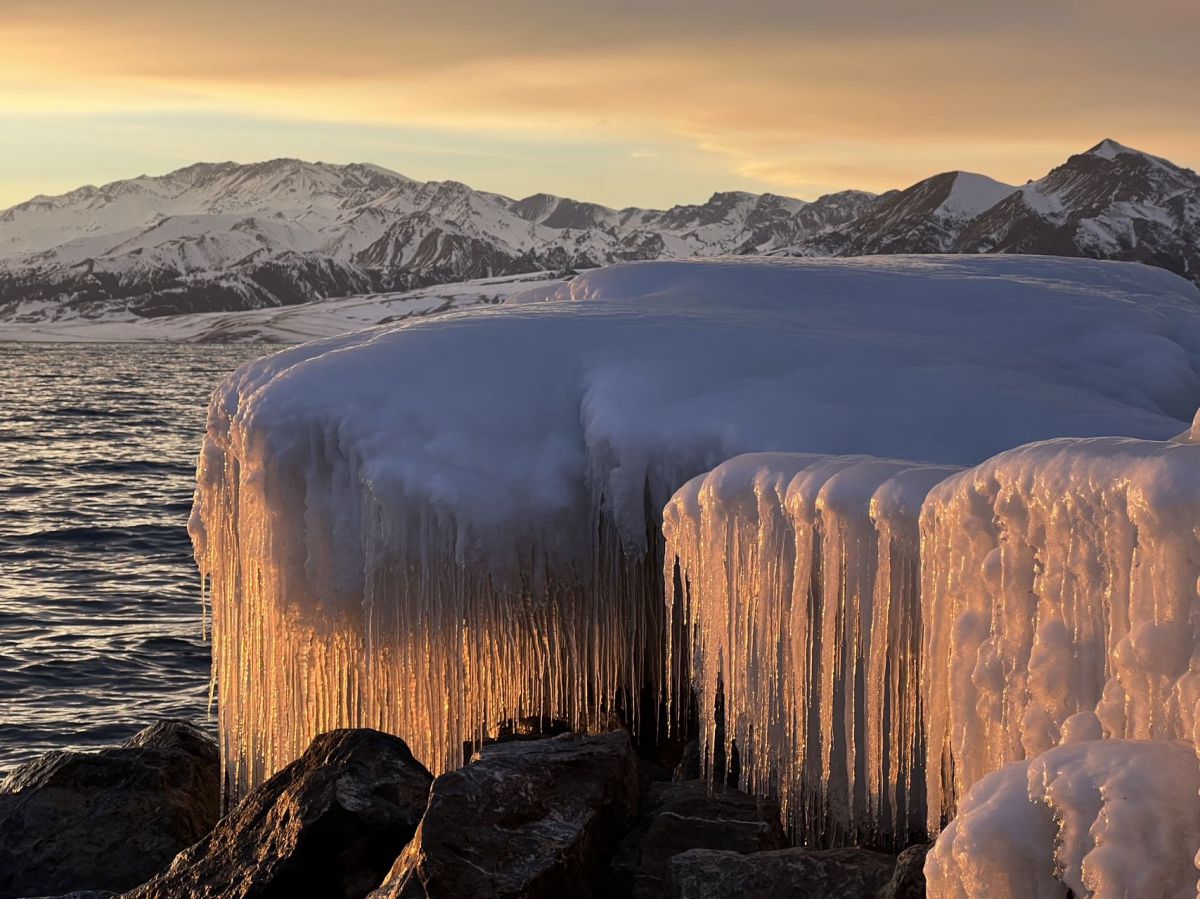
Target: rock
(107,820)
(330,824)
(676,817)
(908,880)
(689,765)
(812,873)
(524,819)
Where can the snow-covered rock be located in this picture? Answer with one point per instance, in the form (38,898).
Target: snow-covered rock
(1102,818)
(452,522)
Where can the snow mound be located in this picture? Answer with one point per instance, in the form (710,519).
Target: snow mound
(1063,577)
(799,602)
(433,527)
(1103,818)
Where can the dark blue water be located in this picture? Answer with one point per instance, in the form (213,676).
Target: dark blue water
(100,627)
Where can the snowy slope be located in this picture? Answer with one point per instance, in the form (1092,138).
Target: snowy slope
(277,324)
(490,481)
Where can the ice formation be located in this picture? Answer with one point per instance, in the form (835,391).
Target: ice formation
(1107,819)
(1059,587)
(433,527)
(799,578)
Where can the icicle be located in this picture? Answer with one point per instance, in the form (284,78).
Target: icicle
(800,577)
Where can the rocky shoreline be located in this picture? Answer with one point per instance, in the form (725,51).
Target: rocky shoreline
(358,816)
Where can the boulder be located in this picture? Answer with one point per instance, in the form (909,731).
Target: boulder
(330,825)
(908,879)
(815,873)
(533,819)
(107,820)
(676,817)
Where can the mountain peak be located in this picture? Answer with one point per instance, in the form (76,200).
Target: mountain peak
(1110,149)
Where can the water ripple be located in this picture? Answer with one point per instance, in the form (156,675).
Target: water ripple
(99,614)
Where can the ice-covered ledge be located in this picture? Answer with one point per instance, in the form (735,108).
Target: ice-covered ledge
(436,526)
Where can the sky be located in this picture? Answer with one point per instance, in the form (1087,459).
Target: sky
(624,102)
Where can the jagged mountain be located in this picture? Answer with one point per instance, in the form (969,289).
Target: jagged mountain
(227,236)
(1111,202)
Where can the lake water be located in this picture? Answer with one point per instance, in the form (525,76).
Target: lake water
(100,627)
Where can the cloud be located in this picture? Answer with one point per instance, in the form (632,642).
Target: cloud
(799,96)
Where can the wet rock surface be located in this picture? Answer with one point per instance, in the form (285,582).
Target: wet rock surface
(525,819)
(814,874)
(676,817)
(330,825)
(107,820)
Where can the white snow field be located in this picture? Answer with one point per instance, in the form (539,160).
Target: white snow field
(802,600)
(275,324)
(432,527)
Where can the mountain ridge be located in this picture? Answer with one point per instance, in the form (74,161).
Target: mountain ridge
(230,236)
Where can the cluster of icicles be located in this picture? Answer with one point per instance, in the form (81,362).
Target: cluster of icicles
(1017,644)
(887,635)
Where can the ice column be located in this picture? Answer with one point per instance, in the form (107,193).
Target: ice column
(1059,585)
(800,576)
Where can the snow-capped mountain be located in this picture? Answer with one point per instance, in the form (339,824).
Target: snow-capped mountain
(1111,202)
(926,218)
(226,236)
(221,237)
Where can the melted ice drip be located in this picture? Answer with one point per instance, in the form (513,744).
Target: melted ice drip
(1104,818)
(800,577)
(1059,590)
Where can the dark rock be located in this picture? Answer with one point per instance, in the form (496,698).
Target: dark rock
(525,819)
(908,880)
(689,766)
(823,873)
(676,817)
(330,824)
(107,820)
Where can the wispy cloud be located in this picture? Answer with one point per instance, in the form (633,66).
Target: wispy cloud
(801,97)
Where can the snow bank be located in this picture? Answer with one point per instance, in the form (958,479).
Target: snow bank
(1103,818)
(436,526)
(799,599)
(1062,577)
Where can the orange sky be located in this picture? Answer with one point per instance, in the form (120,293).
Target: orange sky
(625,102)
